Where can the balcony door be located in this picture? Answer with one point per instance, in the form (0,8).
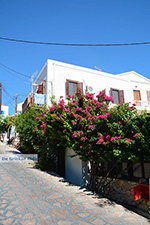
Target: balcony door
(137,97)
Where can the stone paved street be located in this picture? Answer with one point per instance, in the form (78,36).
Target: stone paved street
(29,197)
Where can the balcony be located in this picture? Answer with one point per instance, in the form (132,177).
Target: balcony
(27,103)
(142,105)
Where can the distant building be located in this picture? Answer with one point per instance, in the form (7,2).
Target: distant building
(19,108)
(4,110)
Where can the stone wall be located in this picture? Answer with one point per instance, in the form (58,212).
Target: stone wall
(121,191)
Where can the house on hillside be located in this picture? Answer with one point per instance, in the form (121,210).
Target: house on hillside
(61,79)
(4,110)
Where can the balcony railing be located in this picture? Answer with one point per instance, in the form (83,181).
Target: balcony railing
(143,104)
(27,103)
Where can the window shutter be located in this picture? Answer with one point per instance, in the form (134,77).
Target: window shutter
(121,95)
(110,91)
(67,87)
(80,85)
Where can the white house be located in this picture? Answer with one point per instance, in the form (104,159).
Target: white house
(19,108)
(4,110)
(61,79)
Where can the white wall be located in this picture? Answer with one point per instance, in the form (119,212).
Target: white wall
(76,171)
(4,109)
(55,73)
(58,72)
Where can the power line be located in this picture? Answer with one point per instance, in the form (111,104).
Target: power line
(14,70)
(74,44)
(7,93)
(8,68)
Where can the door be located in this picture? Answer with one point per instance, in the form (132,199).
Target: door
(137,97)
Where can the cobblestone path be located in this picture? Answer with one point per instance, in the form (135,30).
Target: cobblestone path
(32,197)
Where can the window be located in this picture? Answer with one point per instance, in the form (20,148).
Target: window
(118,95)
(115,95)
(137,97)
(148,96)
(71,87)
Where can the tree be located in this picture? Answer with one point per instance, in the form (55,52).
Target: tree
(3,124)
(95,132)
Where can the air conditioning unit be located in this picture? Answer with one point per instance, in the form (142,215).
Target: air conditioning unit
(89,89)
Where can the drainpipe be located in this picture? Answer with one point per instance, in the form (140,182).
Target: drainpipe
(53,85)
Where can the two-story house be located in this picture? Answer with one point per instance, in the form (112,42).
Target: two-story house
(61,79)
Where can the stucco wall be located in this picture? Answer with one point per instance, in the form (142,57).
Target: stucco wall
(76,171)
(58,72)
(55,73)
(122,191)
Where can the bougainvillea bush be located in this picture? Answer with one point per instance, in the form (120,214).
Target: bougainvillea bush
(95,132)
(129,132)
(33,139)
(81,125)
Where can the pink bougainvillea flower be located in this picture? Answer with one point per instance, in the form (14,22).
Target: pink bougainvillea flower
(78,109)
(84,138)
(115,138)
(37,118)
(91,126)
(99,103)
(129,140)
(88,108)
(102,117)
(73,123)
(100,140)
(134,104)
(100,94)
(42,114)
(81,132)
(79,117)
(136,135)
(107,98)
(53,108)
(43,125)
(74,135)
(107,137)
(89,96)
(45,130)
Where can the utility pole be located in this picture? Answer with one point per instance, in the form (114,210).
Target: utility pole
(0,97)
(16,105)
(32,78)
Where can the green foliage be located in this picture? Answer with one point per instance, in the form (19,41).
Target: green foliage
(3,123)
(133,132)
(97,133)
(88,126)
(33,139)
(27,127)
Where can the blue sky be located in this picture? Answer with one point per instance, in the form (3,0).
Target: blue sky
(78,21)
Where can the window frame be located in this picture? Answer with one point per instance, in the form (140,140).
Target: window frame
(67,85)
(114,89)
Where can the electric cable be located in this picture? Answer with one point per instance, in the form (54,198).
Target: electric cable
(74,44)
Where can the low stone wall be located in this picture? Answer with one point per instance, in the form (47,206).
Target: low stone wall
(122,191)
